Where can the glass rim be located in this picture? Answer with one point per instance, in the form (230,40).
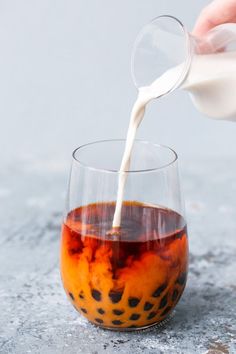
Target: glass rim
(138,171)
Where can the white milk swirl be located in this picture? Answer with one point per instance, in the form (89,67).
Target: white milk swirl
(212,84)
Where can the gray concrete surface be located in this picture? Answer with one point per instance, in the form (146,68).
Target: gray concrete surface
(36,317)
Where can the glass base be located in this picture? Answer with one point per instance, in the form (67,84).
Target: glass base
(151,326)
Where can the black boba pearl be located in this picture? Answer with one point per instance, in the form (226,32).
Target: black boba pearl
(182,279)
(101,311)
(134,317)
(148,306)
(96,294)
(151,315)
(83,310)
(163,302)
(159,290)
(71,296)
(166,311)
(175,295)
(118,312)
(81,295)
(98,320)
(133,301)
(115,296)
(117,322)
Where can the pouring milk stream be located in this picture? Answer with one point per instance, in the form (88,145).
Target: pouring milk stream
(212,85)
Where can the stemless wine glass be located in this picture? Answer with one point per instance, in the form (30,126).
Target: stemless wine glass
(131,279)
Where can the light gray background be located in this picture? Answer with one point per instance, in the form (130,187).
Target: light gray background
(65,80)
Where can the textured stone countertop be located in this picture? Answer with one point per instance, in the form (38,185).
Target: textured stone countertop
(35,315)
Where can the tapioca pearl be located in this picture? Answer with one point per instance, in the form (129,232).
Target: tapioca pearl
(101,311)
(151,315)
(71,296)
(166,311)
(118,312)
(148,306)
(159,290)
(133,301)
(182,279)
(134,317)
(81,295)
(98,320)
(175,295)
(117,322)
(96,295)
(83,310)
(115,296)
(163,302)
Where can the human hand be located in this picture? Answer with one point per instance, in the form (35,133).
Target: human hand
(216,13)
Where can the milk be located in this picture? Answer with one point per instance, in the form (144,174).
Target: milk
(145,94)
(212,85)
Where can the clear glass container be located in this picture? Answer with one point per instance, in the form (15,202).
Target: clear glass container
(205,66)
(133,279)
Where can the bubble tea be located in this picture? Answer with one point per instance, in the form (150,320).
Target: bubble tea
(128,280)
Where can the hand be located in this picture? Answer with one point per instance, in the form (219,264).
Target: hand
(216,13)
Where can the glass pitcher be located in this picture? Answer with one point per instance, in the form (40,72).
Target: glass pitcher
(206,66)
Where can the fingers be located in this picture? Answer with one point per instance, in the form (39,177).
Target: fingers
(218,12)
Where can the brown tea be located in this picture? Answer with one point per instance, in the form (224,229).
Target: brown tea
(129,279)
